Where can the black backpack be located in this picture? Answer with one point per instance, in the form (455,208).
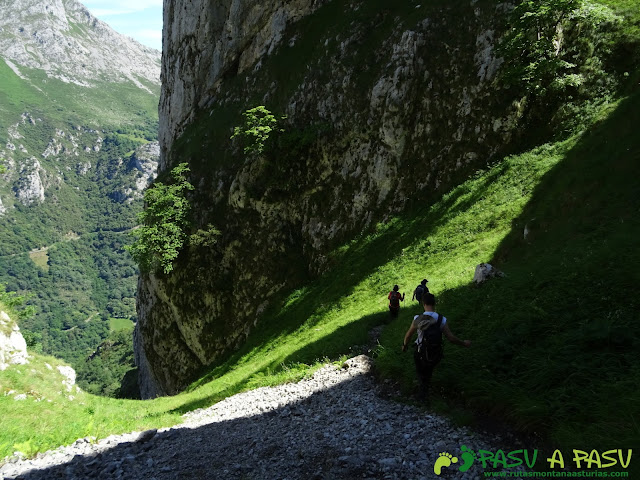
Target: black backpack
(430,347)
(421,290)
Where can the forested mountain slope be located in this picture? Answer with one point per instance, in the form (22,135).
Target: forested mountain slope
(78,130)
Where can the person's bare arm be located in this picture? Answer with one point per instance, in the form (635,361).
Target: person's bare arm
(453,339)
(407,337)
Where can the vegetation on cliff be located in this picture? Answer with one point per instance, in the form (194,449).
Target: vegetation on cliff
(164,223)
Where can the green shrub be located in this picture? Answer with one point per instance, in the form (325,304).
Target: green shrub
(205,237)
(553,45)
(16,303)
(259,123)
(164,223)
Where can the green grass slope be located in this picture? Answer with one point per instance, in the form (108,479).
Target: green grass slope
(60,104)
(554,342)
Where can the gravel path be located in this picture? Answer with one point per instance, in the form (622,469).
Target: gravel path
(334,425)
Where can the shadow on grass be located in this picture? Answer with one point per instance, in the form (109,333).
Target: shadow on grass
(362,259)
(554,341)
(332,346)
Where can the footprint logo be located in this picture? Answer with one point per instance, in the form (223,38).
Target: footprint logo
(445,459)
(468,457)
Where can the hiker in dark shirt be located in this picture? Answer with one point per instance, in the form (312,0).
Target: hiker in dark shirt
(428,346)
(419,291)
(394,301)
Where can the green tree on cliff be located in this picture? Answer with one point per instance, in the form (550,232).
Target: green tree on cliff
(164,223)
(258,125)
(532,46)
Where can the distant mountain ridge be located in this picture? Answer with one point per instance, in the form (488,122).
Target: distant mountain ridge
(62,38)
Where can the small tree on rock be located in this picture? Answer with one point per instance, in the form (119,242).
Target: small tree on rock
(259,123)
(164,223)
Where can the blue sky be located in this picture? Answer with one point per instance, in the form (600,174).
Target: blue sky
(140,19)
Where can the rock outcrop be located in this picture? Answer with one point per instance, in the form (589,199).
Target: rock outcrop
(69,377)
(30,187)
(13,347)
(145,161)
(143,164)
(484,272)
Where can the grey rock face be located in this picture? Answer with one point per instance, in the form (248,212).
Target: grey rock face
(204,40)
(30,187)
(484,272)
(62,38)
(69,375)
(13,347)
(144,162)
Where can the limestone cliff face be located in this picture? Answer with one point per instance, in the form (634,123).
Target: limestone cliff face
(205,41)
(386,106)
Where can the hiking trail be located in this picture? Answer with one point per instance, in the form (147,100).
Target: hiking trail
(336,424)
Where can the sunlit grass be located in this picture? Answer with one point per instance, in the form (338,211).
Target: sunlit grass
(41,259)
(116,324)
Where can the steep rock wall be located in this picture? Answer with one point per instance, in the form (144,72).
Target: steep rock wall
(386,106)
(204,41)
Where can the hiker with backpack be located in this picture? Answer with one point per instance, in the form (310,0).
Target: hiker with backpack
(420,290)
(429,326)
(394,301)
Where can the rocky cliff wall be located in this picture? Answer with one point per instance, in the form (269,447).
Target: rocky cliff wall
(204,41)
(387,106)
